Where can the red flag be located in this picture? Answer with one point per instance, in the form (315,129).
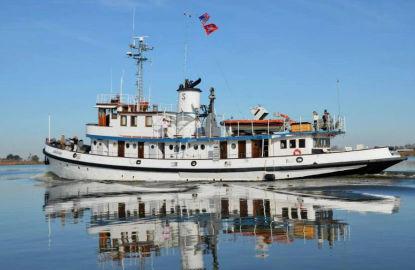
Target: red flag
(210,28)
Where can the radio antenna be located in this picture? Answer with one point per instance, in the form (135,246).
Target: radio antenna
(111,79)
(121,85)
(338,97)
(133,21)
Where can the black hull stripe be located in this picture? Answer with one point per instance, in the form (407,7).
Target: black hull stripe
(384,163)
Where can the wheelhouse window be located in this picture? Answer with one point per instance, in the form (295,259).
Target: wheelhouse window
(149,121)
(283,144)
(293,144)
(301,143)
(321,142)
(114,113)
(133,121)
(123,120)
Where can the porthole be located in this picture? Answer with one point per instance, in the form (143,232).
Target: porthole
(202,147)
(171,147)
(152,146)
(193,163)
(95,142)
(127,145)
(233,145)
(99,144)
(195,146)
(183,147)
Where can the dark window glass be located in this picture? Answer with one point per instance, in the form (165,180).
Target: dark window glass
(133,121)
(202,147)
(171,147)
(285,212)
(294,213)
(283,144)
(293,144)
(301,143)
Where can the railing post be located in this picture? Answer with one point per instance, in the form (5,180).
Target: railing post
(268,126)
(49,128)
(301,130)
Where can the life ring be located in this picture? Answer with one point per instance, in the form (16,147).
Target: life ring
(193,163)
(297,152)
(138,162)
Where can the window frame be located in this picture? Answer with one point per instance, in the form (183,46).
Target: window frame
(147,122)
(121,120)
(133,120)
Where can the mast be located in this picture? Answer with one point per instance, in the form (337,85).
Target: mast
(137,53)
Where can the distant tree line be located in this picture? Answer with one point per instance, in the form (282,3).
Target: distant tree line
(12,157)
(406,146)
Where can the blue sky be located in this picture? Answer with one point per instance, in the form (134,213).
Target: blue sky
(56,56)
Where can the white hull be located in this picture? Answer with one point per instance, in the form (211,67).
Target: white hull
(70,165)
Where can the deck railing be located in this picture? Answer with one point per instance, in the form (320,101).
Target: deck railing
(335,123)
(126,99)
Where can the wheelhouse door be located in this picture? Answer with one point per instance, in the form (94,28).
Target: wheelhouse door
(161,147)
(223,150)
(121,148)
(256,148)
(140,147)
(100,148)
(241,149)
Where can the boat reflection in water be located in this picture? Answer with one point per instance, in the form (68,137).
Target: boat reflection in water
(137,223)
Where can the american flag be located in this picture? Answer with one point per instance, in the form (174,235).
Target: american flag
(204,18)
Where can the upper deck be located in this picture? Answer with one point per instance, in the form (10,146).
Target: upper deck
(124,117)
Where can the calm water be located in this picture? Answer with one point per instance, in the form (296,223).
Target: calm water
(348,223)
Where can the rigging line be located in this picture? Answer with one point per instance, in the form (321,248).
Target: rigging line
(228,88)
(338,97)
(133,20)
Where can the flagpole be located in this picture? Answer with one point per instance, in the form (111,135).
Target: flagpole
(186,33)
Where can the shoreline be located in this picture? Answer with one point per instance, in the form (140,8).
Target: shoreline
(15,163)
